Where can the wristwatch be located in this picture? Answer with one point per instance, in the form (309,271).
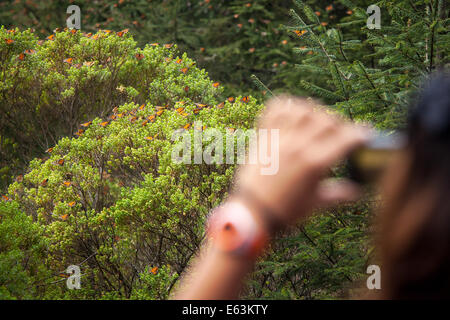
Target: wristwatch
(234,229)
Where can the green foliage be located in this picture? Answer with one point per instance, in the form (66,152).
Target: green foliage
(369,74)
(22,249)
(112,199)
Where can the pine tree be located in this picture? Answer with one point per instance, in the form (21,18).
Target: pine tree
(369,74)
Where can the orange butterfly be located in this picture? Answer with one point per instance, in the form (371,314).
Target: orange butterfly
(113,117)
(186,89)
(71,204)
(184,70)
(221,105)
(9,41)
(187,126)
(88,35)
(329,8)
(180,109)
(168,46)
(79,132)
(61,162)
(216,84)
(51,37)
(64,217)
(104,123)
(178,61)
(49,150)
(154,44)
(120,115)
(160,108)
(151,118)
(142,107)
(86,124)
(5,198)
(88,63)
(300,32)
(107,31)
(231,130)
(68,60)
(154,270)
(19,178)
(230,99)
(149,138)
(121,33)
(73,31)
(115,109)
(95,37)
(245,99)
(133,119)
(144,123)
(44,182)
(30,51)
(21,57)
(139,56)
(67,183)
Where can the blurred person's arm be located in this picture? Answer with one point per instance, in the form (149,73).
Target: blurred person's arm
(310,141)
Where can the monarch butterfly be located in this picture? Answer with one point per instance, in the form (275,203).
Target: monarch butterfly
(231,130)
(186,89)
(61,162)
(30,51)
(184,70)
(71,204)
(120,115)
(44,182)
(154,270)
(107,31)
(49,150)
(201,105)
(178,61)
(104,123)
(5,198)
(113,117)
(9,41)
(196,111)
(86,124)
(133,119)
(160,108)
(139,56)
(187,126)
(160,112)
(73,31)
(144,123)
(88,63)
(230,99)
(300,32)
(51,37)
(121,33)
(88,35)
(245,99)
(21,57)
(180,109)
(95,37)
(216,84)
(142,107)
(115,109)
(67,183)
(68,60)
(154,44)
(221,105)
(168,45)
(64,217)
(150,138)
(79,132)
(329,8)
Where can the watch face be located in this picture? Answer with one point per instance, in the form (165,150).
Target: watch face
(233,229)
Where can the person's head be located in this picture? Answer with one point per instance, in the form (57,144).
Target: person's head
(415,222)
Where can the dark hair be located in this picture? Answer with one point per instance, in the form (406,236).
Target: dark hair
(415,222)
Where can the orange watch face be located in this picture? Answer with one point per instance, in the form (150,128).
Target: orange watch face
(233,229)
